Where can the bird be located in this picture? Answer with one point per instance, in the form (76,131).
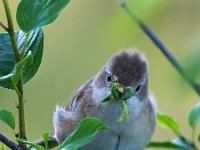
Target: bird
(128,68)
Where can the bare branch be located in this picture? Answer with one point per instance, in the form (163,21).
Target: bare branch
(161,46)
(4,26)
(9,143)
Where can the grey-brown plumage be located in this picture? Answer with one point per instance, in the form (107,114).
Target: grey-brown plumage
(128,69)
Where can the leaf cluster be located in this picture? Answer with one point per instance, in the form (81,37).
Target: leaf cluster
(20,58)
(181,142)
(21,54)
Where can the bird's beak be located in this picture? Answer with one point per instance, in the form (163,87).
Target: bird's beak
(122,92)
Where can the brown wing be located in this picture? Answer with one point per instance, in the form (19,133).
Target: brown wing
(76,99)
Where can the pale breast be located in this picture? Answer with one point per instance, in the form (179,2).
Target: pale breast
(132,134)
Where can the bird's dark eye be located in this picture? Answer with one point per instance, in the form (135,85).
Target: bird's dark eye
(138,88)
(109,78)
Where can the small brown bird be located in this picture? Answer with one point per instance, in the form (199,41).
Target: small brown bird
(134,133)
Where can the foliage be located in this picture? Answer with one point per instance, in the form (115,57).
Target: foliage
(35,14)
(84,134)
(14,76)
(20,58)
(167,122)
(8,118)
(194,117)
(45,137)
(181,142)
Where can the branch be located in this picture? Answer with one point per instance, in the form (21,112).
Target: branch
(11,30)
(22,131)
(19,91)
(4,26)
(185,140)
(9,143)
(161,46)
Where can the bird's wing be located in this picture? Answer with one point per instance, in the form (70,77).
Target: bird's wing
(76,99)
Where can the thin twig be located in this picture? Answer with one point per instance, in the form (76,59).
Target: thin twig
(185,140)
(9,143)
(4,26)
(161,46)
(20,93)
(15,87)
(11,30)
(22,131)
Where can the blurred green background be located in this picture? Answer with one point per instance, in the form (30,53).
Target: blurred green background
(87,33)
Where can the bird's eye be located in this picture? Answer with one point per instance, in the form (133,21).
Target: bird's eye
(138,88)
(109,78)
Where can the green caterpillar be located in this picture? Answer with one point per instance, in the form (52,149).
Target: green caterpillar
(121,94)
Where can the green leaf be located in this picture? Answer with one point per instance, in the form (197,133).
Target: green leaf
(194,116)
(2,147)
(182,144)
(32,14)
(84,134)
(35,146)
(167,122)
(175,144)
(192,63)
(7,59)
(45,137)
(199,138)
(166,144)
(7,117)
(14,76)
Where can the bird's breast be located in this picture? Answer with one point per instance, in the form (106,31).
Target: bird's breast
(134,133)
